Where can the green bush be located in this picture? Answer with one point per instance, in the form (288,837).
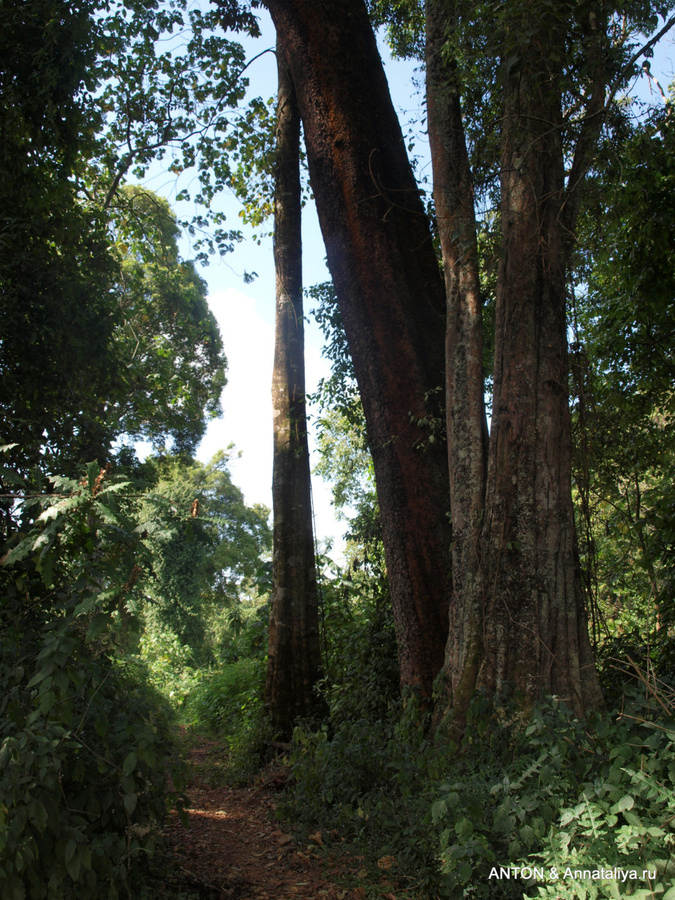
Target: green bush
(225,697)
(83,749)
(557,793)
(82,784)
(621,815)
(546,791)
(169,665)
(367,780)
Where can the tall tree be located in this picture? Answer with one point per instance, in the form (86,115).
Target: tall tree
(465,389)
(543,86)
(390,292)
(90,91)
(294,656)
(55,270)
(206,544)
(555,78)
(166,341)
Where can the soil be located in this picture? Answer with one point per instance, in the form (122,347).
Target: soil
(233,846)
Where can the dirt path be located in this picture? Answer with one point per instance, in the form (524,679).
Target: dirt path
(234,848)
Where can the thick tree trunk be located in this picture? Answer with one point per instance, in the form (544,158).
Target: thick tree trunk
(517,613)
(518,618)
(534,630)
(294,658)
(391,299)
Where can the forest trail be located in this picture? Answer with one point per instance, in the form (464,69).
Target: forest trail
(234,848)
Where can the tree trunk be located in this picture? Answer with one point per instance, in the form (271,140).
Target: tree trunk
(466,422)
(391,298)
(534,636)
(294,658)
(517,615)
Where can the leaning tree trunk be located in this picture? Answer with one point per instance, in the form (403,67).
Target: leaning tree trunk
(391,299)
(294,658)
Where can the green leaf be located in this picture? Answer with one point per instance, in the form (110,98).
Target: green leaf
(70,850)
(73,867)
(632,819)
(40,675)
(130,801)
(98,626)
(129,763)
(465,872)
(438,810)
(527,834)
(464,829)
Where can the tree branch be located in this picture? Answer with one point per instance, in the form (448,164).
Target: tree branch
(598,107)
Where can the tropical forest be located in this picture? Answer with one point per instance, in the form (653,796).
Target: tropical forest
(470,691)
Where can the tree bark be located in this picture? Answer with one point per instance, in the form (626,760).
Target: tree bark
(465,404)
(516,613)
(533,634)
(391,298)
(294,657)
(535,631)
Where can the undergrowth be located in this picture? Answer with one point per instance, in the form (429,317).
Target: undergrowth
(228,704)
(550,795)
(85,745)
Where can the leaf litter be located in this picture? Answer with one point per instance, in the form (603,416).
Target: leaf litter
(233,847)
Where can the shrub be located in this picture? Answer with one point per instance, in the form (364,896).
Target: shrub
(545,791)
(83,784)
(225,697)
(83,750)
(558,793)
(367,780)
(621,815)
(169,665)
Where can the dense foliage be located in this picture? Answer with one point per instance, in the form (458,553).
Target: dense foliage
(207,549)
(94,294)
(531,797)
(84,746)
(110,579)
(623,381)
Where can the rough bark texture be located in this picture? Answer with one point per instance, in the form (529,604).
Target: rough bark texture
(466,422)
(518,616)
(294,658)
(535,635)
(391,299)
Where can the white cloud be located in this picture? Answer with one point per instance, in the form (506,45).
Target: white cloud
(246,400)
(248,338)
